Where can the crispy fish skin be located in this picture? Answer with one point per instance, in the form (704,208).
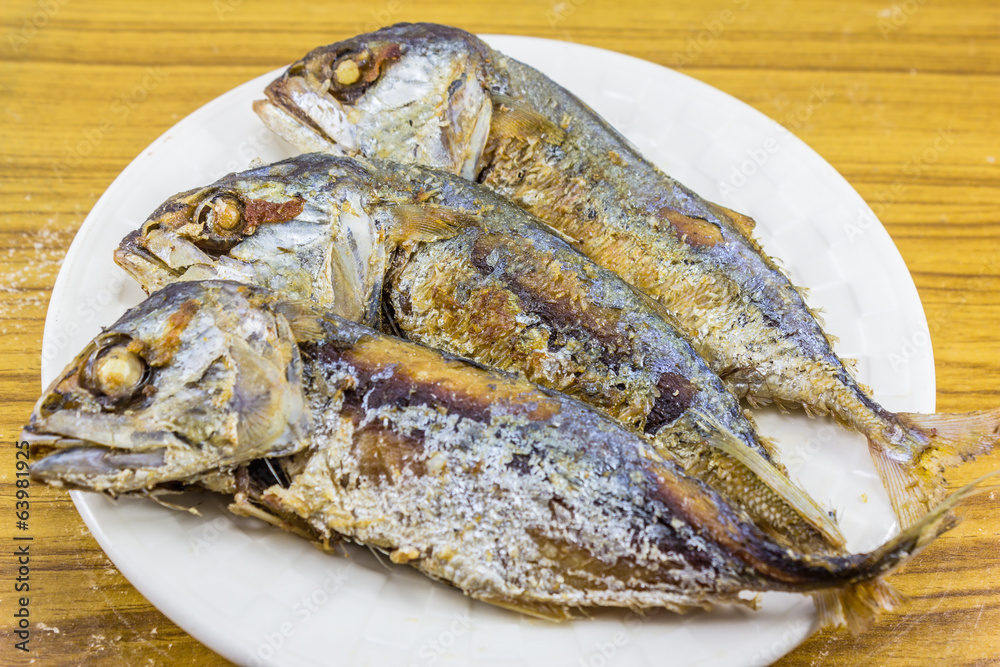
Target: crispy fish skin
(478,277)
(424,456)
(554,156)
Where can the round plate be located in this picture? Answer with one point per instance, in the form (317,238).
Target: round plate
(259,596)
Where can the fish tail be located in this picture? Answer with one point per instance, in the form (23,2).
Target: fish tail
(857,606)
(939,442)
(865,594)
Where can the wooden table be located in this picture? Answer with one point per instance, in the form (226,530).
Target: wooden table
(86,86)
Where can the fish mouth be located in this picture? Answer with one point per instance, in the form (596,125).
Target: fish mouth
(277,95)
(81,463)
(145,267)
(42,444)
(285,118)
(155,258)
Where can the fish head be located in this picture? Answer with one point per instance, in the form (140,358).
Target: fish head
(410,93)
(197,379)
(300,227)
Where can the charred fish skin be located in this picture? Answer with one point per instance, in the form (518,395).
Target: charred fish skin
(430,460)
(424,455)
(554,156)
(538,307)
(409,208)
(525,304)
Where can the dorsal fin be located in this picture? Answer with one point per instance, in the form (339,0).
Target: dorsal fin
(422,223)
(513,118)
(696,232)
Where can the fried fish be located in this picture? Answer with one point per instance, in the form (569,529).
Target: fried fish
(465,271)
(519,496)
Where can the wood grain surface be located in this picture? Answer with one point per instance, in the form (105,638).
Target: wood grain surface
(85,86)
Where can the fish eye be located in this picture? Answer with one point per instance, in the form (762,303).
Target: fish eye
(221,214)
(351,73)
(116,371)
(346,72)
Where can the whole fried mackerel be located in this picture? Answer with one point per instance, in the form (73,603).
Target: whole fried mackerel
(519,496)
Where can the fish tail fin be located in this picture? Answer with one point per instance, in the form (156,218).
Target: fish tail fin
(857,606)
(940,442)
(865,594)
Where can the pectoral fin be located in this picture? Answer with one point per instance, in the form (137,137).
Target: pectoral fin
(423,223)
(512,118)
(302,319)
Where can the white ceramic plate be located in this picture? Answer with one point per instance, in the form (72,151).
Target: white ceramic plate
(258,596)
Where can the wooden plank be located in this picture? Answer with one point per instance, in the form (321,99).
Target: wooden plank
(869,85)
